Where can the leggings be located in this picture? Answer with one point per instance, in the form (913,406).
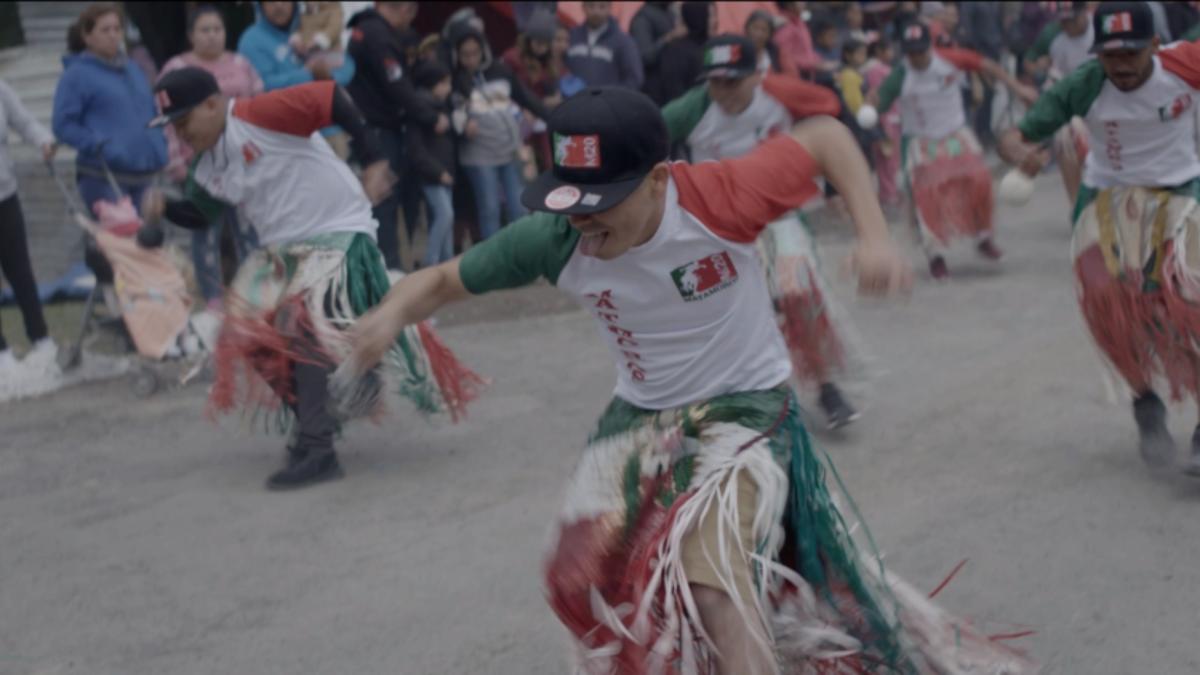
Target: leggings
(16,268)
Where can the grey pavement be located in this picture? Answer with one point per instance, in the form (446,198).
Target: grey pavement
(135,537)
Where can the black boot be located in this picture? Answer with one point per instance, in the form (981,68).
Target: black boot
(1154,440)
(310,458)
(316,467)
(1192,466)
(838,412)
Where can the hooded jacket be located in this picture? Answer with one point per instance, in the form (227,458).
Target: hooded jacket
(488,97)
(649,30)
(382,87)
(266,47)
(101,109)
(612,60)
(682,60)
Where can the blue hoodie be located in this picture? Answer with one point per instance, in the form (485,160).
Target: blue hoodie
(101,104)
(266,47)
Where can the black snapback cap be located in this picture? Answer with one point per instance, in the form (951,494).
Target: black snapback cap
(181,90)
(730,56)
(605,140)
(1122,25)
(914,38)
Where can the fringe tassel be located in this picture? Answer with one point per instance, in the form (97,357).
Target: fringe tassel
(953,196)
(458,384)
(810,335)
(1119,315)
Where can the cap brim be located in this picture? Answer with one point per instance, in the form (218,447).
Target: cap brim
(1120,45)
(725,73)
(164,120)
(575,198)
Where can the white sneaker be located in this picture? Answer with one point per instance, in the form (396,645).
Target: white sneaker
(38,373)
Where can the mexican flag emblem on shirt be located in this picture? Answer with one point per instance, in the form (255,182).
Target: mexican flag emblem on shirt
(701,278)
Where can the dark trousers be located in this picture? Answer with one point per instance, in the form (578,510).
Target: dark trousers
(17,269)
(315,425)
(406,195)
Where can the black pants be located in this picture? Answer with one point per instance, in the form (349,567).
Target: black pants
(15,265)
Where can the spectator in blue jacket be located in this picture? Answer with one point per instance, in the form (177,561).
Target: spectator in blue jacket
(265,44)
(601,53)
(101,108)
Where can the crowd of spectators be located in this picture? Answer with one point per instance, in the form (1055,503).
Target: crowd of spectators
(463,122)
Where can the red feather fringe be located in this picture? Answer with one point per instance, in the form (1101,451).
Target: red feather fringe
(458,384)
(954,196)
(810,335)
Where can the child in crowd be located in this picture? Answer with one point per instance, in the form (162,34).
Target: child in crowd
(885,157)
(320,33)
(432,154)
(850,78)
(825,39)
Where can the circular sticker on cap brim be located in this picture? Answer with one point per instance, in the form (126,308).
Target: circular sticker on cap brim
(562,197)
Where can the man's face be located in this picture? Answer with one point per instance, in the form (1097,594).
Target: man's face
(733,94)
(610,234)
(1076,25)
(759,32)
(397,14)
(1128,69)
(201,127)
(470,54)
(919,60)
(278,13)
(597,13)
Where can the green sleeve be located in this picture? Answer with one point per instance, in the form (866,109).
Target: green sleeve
(1041,46)
(890,89)
(538,245)
(685,112)
(210,206)
(1073,95)
(1192,35)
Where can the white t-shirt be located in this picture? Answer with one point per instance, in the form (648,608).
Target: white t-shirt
(931,103)
(272,162)
(687,315)
(1068,53)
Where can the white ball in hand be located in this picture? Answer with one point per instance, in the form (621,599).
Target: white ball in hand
(868,117)
(1016,188)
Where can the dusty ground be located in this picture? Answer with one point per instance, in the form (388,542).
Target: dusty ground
(135,537)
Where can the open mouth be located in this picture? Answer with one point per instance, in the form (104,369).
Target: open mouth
(590,244)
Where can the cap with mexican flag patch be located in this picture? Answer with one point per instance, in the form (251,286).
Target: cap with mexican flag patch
(1122,25)
(729,56)
(606,139)
(915,38)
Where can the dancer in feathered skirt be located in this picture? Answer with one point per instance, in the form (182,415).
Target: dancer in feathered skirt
(294,299)
(1136,242)
(702,532)
(727,116)
(949,185)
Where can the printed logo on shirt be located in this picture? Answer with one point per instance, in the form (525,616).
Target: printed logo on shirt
(577,151)
(700,279)
(251,152)
(722,55)
(393,69)
(1177,108)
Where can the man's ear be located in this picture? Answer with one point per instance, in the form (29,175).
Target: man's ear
(658,178)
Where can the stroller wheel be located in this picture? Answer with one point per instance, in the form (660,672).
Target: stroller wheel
(145,383)
(68,359)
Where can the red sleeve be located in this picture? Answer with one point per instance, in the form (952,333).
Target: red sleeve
(737,198)
(963,59)
(298,110)
(802,99)
(1183,60)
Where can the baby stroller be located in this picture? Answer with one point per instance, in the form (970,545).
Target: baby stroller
(151,296)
